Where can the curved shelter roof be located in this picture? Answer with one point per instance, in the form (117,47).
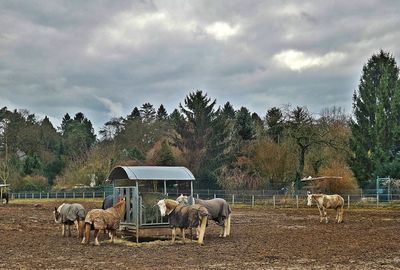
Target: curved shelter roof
(151,173)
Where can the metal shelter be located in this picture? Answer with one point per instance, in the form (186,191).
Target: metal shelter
(142,187)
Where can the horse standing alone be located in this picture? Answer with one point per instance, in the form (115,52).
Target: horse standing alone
(327,202)
(100,219)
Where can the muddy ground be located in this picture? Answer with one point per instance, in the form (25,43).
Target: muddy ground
(261,238)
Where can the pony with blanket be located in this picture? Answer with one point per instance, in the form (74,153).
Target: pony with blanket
(183,217)
(100,219)
(68,214)
(327,202)
(218,209)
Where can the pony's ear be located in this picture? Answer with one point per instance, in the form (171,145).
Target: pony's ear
(55,209)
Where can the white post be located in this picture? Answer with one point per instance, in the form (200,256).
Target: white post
(273,200)
(65,195)
(252,200)
(93,194)
(215,196)
(233,199)
(83,195)
(48,195)
(297,201)
(348,201)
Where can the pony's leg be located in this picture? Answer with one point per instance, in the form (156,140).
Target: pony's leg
(63,229)
(111,234)
(95,235)
(183,234)
(341,211)
(202,229)
(173,234)
(86,237)
(321,215)
(222,231)
(69,230)
(228,225)
(325,215)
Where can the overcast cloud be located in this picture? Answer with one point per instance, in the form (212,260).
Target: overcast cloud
(103,58)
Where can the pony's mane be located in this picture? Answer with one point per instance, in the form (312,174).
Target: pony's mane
(120,207)
(170,204)
(59,208)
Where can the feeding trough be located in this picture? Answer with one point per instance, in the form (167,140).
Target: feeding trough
(142,187)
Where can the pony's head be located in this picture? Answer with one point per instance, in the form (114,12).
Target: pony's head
(309,198)
(166,206)
(182,199)
(57,214)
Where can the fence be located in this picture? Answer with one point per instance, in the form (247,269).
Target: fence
(268,198)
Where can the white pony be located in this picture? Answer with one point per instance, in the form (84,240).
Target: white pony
(327,202)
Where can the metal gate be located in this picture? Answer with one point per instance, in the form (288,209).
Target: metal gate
(131,202)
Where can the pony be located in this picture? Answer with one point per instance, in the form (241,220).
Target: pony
(100,219)
(219,210)
(327,202)
(5,196)
(107,202)
(68,214)
(183,217)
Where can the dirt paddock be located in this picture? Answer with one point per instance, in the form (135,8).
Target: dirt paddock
(261,238)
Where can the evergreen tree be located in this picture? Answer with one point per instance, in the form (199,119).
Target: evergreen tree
(376,120)
(162,113)
(165,155)
(148,113)
(274,122)
(194,134)
(244,124)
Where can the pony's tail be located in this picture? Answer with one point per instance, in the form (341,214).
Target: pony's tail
(87,233)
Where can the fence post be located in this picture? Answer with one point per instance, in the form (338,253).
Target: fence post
(197,195)
(252,200)
(348,201)
(40,195)
(215,195)
(83,195)
(104,195)
(233,199)
(65,195)
(297,201)
(56,194)
(48,195)
(73,194)
(273,200)
(377,200)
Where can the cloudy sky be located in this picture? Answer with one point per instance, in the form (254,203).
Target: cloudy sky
(103,58)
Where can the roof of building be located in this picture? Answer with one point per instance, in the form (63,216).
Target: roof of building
(151,173)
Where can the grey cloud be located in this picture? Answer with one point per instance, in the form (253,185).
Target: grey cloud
(63,57)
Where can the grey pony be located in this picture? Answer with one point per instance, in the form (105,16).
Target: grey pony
(68,214)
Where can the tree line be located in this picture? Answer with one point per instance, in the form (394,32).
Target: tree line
(225,147)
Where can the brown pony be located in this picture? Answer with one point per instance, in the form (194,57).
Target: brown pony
(327,201)
(100,219)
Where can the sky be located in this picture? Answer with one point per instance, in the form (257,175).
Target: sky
(104,58)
